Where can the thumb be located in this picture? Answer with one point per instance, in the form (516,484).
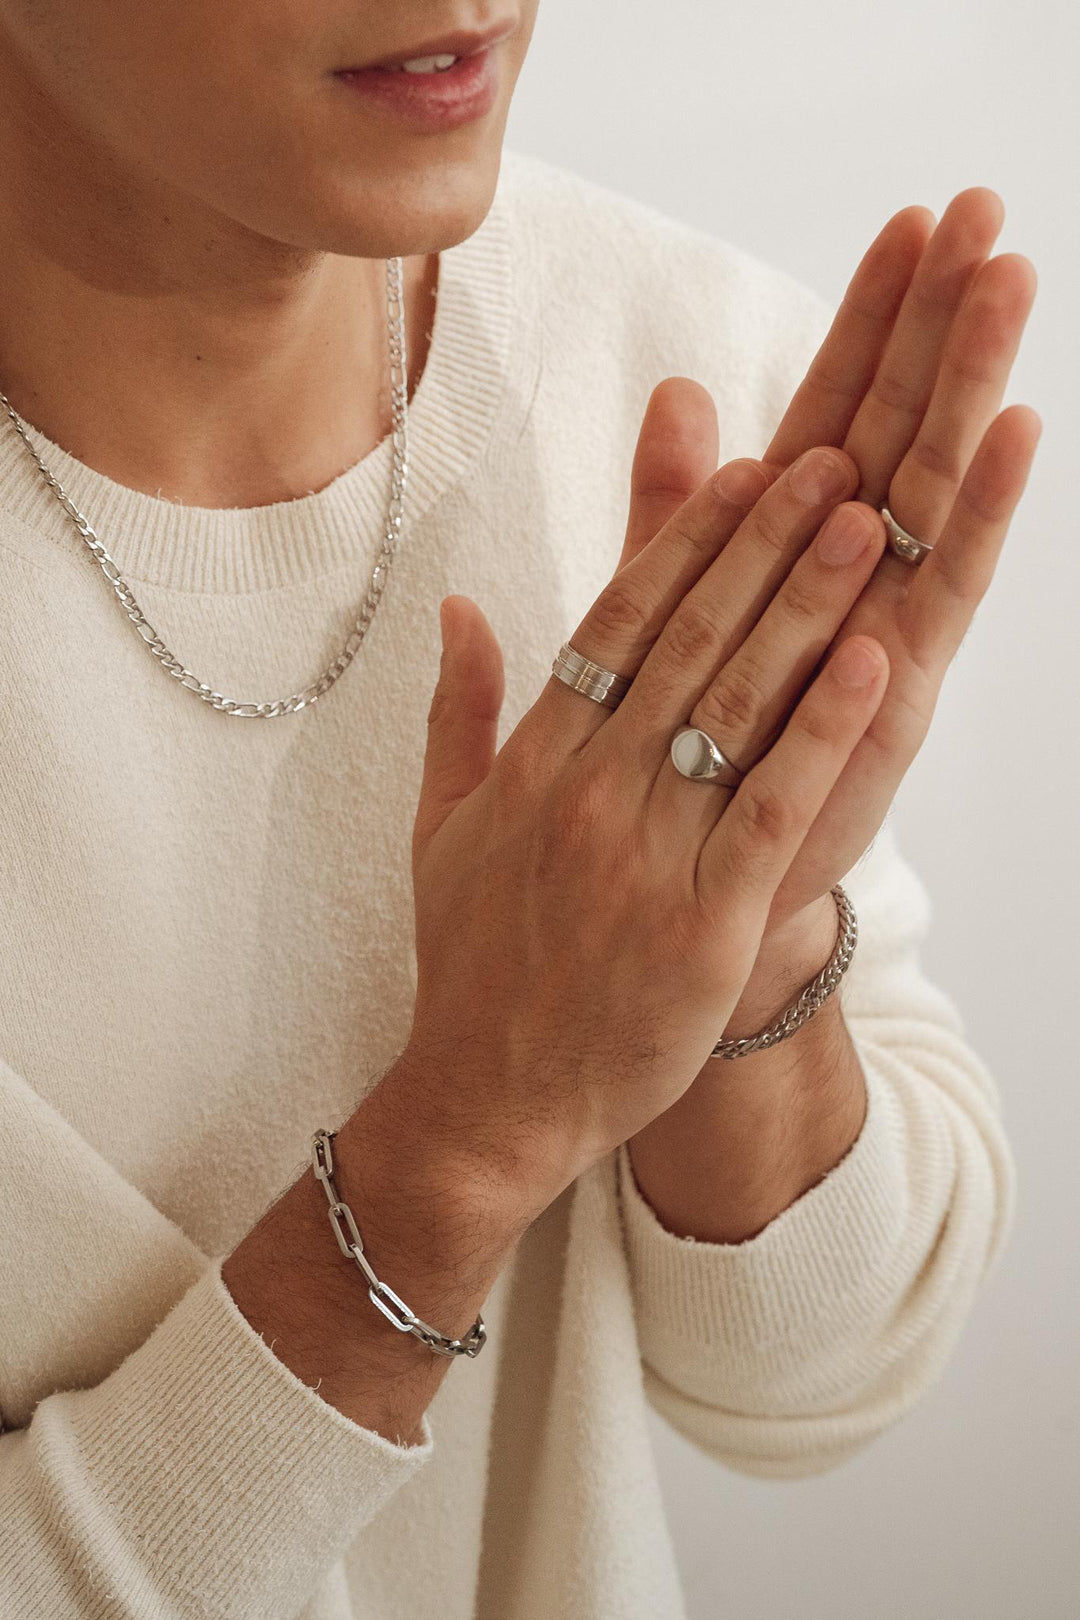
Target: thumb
(463,718)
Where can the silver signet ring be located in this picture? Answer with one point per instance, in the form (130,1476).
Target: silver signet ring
(696,755)
(904,545)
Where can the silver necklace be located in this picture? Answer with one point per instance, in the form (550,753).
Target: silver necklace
(399,405)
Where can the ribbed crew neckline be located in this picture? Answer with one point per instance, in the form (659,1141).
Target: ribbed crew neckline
(239,549)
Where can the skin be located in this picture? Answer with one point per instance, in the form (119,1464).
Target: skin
(907,386)
(210,211)
(908,383)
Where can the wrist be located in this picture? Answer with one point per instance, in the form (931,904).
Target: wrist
(429,1234)
(789,958)
(428,1178)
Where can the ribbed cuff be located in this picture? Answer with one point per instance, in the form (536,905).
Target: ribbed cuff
(793,1280)
(202,1476)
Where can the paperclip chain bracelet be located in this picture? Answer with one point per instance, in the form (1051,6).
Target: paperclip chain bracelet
(351,1245)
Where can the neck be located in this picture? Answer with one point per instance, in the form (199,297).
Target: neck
(175,350)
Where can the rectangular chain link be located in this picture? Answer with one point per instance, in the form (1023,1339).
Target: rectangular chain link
(381,1295)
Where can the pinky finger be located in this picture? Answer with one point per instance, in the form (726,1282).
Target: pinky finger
(747,855)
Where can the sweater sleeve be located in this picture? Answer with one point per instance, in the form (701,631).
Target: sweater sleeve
(784,1355)
(196,1476)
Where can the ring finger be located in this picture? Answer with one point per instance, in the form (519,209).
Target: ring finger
(650,624)
(716,616)
(747,706)
(970,385)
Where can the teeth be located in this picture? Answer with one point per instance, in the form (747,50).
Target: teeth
(428,64)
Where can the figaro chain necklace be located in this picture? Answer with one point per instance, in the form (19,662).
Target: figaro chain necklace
(399,406)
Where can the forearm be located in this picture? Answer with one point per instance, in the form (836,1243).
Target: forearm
(432,1229)
(752,1134)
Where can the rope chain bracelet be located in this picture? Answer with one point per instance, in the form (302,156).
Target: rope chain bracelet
(351,1245)
(812,997)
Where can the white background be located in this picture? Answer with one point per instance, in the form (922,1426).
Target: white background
(796,130)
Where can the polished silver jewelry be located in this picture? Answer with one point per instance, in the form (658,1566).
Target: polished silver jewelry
(399,405)
(701,758)
(698,756)
(695,754)
(351,1245)
(902,543)
(591,680)
(812,997)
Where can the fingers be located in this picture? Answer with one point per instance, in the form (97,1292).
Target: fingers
(888,418)
(974,371)
(825,403)
(677,449)
(712,620)
(747,705)
(746,857)
(951,581)
(628,615)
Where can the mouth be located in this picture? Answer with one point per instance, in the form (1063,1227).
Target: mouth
(441,54)
(438,85)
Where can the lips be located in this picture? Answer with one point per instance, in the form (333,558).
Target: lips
(433,101)
(463,42)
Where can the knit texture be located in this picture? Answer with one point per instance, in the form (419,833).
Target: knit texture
(208,952)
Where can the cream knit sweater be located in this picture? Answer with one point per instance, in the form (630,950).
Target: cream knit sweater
(207,952)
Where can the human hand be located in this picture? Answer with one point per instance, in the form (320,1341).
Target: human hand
(907,382)
(586,917)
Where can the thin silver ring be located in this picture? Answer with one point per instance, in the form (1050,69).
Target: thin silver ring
(904,545)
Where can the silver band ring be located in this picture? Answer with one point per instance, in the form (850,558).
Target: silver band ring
(903,544)
(590,679)
(693,752)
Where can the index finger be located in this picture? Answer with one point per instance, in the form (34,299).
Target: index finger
(826,401)
(622,624)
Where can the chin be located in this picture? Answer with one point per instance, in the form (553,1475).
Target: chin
(425,203)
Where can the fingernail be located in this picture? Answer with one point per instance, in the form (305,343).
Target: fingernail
(741,483)
(817,477)
(855,665)
(844,537)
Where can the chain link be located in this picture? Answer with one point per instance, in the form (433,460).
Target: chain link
(351,1245)
(399,407)
(790,1020)
(816,992)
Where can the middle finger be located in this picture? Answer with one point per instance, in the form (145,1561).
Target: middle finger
(750,701)
(715,617)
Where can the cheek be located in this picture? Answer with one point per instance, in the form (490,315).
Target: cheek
(158,86)
(235,107)
(209,90)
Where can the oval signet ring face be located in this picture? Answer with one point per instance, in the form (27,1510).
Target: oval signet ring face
(696,755)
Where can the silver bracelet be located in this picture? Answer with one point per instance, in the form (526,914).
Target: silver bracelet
(816,992)
(351,1245)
